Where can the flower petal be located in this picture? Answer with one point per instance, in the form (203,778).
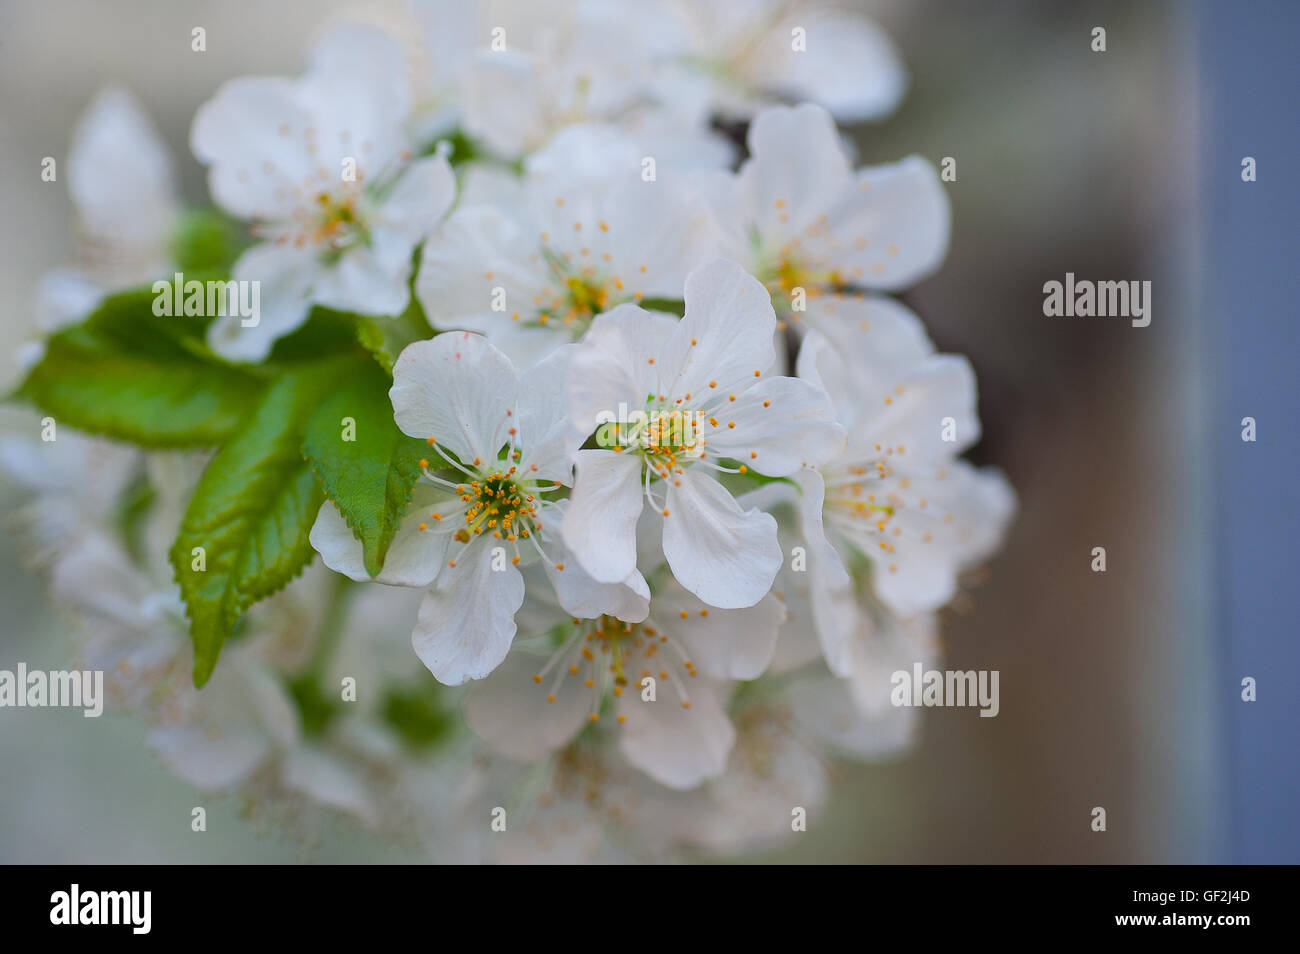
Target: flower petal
(120,176)
(725,336)
(503,101)
(209,762)
(798,169)
(475,252)
(370,279)
(677,746)
(613,365)
(723,644)
(965,515)
(458,389)
(586,598)
(858,347)
(545,434)
(902,212)
(420,198)
(582,596)
(323,778)
(894,645)
(238,134)
(467,619)
(726,556)
(914,413)
(857,73)
(414,557)
(600,522)
(285,277)
(510,711)
(776,427)
(825,708)
(830,593)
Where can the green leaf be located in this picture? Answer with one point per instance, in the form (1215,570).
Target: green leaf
(316,710)
(460,147)
(417,715)
(132,510)
(206,240)
(366,465)
(326,333)
(669,306)
(385,338)
(251,512)
(129,374)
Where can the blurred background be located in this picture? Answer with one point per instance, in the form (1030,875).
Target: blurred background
(1119,689)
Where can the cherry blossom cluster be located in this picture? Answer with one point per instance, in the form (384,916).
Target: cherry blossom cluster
(692,485)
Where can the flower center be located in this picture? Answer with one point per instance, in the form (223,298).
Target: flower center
(500,500)
(577,297)
(500,505)
(662,433)
(331,222)
(586,296)
(585,279)
(338,224)
(863,501)
(792,282)
(607,655)
(337,215)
